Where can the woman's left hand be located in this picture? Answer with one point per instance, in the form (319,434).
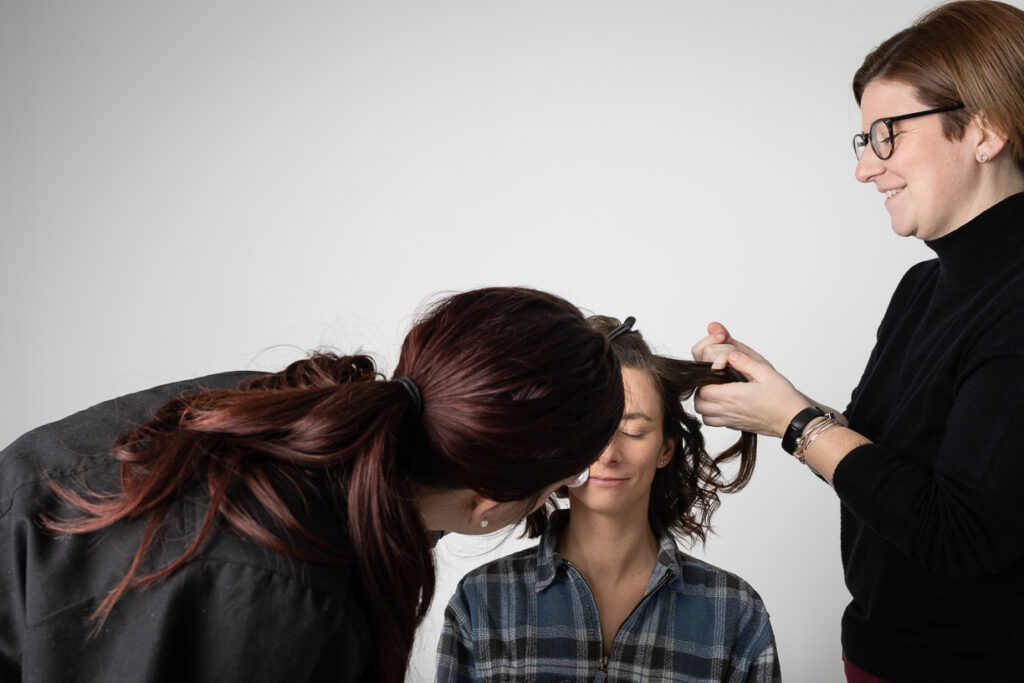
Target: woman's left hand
(764,404)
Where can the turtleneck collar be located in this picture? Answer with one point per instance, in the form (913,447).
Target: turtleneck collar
(989,243)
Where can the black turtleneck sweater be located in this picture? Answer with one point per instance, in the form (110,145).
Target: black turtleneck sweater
(933,510)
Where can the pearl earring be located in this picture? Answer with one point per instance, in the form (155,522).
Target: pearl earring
(982,158)
(483,523)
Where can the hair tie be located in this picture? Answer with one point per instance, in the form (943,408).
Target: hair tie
(626,326)
(414,393)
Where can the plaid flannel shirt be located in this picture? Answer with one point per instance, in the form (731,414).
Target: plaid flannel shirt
(531,616)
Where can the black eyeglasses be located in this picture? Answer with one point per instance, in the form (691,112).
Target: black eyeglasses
(880,133)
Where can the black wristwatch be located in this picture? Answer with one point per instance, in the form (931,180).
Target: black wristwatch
(797,425)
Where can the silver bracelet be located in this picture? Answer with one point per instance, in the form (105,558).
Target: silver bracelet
(830,422)
(798,446)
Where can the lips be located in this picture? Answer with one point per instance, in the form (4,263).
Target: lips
(605,482)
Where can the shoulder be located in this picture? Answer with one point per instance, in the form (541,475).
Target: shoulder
(717,586)
(918,276)
(515,568)
(506,581)
(703,575)
(912,293)
(69,445)
(716,606)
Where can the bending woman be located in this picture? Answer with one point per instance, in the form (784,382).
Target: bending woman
(927,460)
(252,527)
(607,595)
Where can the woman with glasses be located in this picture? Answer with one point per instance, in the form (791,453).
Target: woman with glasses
(251,527)
(607,595)
(928,458)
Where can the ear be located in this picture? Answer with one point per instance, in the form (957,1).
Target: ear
(990,140)
(668,449)
(481,509)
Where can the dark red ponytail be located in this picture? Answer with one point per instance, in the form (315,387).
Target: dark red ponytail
(518,392)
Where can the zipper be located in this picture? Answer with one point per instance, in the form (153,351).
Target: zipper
(604,657)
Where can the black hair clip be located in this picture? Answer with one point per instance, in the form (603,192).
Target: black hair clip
(626,326)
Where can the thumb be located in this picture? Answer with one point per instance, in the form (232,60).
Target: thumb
(717,329)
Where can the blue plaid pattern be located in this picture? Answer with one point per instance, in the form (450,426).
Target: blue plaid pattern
(531,617)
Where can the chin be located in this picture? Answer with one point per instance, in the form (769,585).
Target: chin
(904,230)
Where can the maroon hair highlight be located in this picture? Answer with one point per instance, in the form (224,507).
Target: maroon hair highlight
(518,393)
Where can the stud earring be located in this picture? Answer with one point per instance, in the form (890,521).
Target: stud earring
(483,523)
(982,158)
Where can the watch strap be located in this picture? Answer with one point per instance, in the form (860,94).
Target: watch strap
(797,425)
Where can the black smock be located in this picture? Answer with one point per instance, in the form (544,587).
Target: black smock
(238,611)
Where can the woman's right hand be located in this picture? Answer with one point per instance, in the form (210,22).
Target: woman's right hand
(716,347)
(764,404)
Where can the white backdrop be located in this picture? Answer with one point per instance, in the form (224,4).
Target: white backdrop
(216,185)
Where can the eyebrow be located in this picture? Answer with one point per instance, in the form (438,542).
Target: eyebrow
(636,416)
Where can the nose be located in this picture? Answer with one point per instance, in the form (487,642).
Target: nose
(868,166)
(610,454)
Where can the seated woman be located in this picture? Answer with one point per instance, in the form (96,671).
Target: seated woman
(606,595)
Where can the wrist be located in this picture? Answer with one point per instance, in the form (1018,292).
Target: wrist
(786,412)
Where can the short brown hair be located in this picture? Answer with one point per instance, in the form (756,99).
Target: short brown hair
(970,52)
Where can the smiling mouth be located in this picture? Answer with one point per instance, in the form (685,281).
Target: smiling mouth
(606,481)
(892,193)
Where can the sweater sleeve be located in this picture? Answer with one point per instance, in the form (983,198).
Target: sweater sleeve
(961,516)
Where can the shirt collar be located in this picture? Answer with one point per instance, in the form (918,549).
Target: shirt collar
(549,560)
(987,244)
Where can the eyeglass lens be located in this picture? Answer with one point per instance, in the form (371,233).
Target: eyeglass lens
(880,136)
(859,143)
(881,139)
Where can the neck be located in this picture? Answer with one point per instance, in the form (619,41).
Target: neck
(609,547)
(1002,178)
(443,510)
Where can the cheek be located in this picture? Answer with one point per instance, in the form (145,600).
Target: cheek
(646,456)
